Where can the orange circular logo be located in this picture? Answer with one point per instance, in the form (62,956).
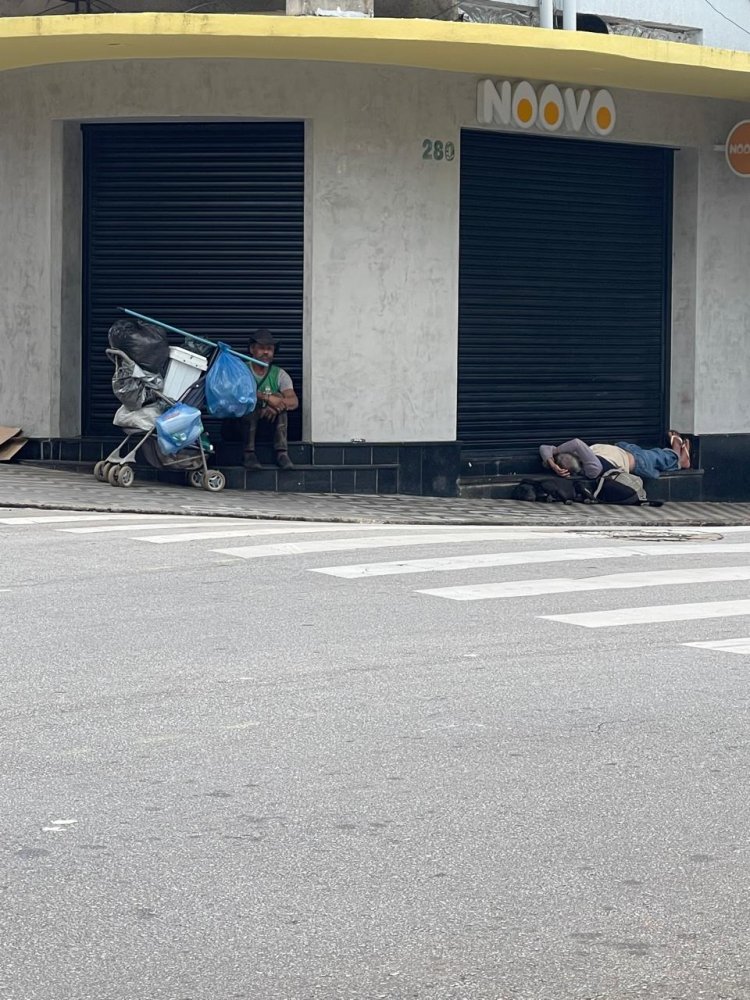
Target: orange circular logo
(525,110)
(604,118)
(738,149)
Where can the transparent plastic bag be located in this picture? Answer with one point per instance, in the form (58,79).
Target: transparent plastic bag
(230,386)
(178,428)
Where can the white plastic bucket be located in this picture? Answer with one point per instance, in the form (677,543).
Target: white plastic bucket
(184,370)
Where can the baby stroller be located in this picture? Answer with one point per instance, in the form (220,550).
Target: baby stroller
(145,394)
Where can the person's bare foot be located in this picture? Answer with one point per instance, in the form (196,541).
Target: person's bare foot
(676,443)
(684,455)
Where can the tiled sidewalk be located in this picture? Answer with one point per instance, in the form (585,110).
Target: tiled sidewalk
(25,486)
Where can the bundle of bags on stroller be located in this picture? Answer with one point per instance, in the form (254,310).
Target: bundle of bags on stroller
(153,394)
(141,354)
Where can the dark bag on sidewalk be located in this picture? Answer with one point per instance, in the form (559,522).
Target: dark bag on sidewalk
(617,487)
(553,490)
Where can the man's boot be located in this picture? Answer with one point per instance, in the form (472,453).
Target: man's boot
(284,461)
(251,462)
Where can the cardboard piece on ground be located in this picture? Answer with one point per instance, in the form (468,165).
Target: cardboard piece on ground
(10,442)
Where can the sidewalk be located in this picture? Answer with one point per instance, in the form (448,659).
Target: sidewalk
(25,486)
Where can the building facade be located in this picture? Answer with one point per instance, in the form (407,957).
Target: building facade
(469,237)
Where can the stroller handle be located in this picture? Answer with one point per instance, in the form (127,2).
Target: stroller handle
(114,354)
(192,336)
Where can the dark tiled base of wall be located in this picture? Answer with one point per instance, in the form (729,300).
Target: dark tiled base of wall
(725,460)
(486,473)
(523,461)
(429,469)
(675,486)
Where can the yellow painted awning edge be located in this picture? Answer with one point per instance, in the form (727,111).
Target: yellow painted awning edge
(492,50)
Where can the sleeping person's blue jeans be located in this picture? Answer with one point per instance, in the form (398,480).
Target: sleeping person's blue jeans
(650,462)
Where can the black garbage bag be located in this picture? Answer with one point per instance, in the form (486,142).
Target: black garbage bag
(145,343)
(196,394)
(133,386)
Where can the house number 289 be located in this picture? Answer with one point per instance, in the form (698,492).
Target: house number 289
(436,149)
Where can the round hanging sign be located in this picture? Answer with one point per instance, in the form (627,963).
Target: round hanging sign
(738,149)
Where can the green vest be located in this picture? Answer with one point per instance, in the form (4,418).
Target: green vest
(269,381)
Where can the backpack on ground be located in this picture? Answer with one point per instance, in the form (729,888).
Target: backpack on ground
(553,490)
(617,487)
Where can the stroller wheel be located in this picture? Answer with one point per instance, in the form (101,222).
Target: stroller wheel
(113,474)
(99,472)
(125,476)
(195,478)
(213,481)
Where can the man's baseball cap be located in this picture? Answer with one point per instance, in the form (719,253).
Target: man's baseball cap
(263,337)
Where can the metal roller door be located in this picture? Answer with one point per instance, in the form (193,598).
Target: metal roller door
(200,225)
(564,291)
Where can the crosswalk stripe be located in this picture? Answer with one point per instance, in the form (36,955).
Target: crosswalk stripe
(741,646)
(63,518)
(447,537)
(255,532)
(443,564)
(570,585)
(653,614)
(178,522)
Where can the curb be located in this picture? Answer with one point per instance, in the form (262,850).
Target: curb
(187,511)
(494,520)
(21,487)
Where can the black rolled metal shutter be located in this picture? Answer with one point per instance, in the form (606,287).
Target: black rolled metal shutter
(200,225)
(564,291)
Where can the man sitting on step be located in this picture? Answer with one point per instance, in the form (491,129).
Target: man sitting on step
(576,456)
(276,398)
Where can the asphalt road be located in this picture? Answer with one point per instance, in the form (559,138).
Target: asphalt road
(229,775)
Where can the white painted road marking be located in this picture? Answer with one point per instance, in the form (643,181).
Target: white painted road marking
(657,613)
(182,522)
(741,646)
(254,532)
(443,564)
(63,518)
(501,534)
(447,537)
(572,585)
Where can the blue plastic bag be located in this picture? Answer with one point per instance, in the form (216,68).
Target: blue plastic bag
(178,428)
(230,386)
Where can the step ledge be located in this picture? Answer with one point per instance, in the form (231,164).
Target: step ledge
(63,464)
(511,478)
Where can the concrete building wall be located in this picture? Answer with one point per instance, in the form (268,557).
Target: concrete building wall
(722,342)
(29,361)
(710,254)
(381,293)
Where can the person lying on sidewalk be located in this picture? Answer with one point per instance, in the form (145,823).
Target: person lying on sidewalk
(276,398)
(576,456)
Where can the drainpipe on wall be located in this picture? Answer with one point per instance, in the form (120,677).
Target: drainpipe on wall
(569,15)
(546,13)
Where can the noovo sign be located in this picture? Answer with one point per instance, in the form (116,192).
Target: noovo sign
(737,149)
(550,108)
